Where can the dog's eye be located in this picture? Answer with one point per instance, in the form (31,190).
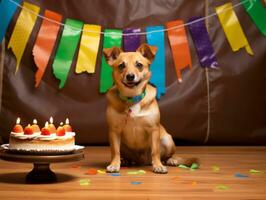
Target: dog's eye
(121,66)
(139,65)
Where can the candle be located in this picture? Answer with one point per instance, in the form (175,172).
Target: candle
(67,127)
(60,130)
(17,128)
(45,129)
(51,125)
(35,127)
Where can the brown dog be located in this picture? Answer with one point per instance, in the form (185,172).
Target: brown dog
(133,114)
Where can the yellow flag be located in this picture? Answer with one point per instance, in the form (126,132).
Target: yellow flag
(22,30)
(88,50)
(232,28)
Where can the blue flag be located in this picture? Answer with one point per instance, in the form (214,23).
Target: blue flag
(158,64)
(7,10)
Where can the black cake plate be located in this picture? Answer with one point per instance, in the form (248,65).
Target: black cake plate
(41,172)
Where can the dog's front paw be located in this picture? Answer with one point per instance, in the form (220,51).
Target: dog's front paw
(113,168)
(159,169)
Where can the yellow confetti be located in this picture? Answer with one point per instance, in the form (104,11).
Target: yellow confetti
(101,171)
(215,168)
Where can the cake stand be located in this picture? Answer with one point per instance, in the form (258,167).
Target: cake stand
(41,172)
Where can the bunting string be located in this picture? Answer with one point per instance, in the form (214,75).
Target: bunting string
(137,33)
(85,38)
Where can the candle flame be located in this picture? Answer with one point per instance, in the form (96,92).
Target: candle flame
(46,124)
(35,121)
(18,121)
(67,121)
(51,120)
(61,123)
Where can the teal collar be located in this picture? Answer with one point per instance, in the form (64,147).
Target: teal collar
(134,99)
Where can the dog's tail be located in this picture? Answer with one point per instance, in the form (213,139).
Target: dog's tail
(175,161)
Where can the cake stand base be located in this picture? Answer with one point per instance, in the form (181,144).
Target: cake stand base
(41,173)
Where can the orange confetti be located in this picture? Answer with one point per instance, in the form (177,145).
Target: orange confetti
(91,171)
(194,183)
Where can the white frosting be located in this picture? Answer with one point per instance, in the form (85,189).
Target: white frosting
(68,135)
(47,137)
(38,135)
(24,137)
(16,134)
(71,133)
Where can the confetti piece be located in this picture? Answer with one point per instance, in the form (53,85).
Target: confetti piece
(91,171)
(222,187)
(84,182)
(183,167)
(132,172)
(254,171)
(194,166)
(136,182)
(142,171)
(138,172)
(215,168)
(194,183)
(101,171)
(115,174)
(238,175)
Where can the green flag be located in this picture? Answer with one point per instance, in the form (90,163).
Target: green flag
(257,12)
(66,50)
(112,38)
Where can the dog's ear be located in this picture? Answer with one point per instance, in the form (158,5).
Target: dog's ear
(111,54)
(147,51)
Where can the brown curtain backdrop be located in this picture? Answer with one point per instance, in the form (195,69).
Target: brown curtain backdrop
(236,90)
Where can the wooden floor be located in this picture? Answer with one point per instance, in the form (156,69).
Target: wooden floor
(216,178)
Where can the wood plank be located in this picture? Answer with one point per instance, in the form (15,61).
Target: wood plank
(177,184)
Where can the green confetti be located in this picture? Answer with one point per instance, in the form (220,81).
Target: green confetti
(84,182)
(222,187)
(215,168)
(183,167)
(254,171)
(142,171)
(194,166)
(138,172)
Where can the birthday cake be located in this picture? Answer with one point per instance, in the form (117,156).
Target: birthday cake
(47,139)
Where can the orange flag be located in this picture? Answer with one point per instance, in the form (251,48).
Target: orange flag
(45,42)
(179,46)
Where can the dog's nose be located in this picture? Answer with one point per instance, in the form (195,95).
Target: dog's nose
(130,77)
